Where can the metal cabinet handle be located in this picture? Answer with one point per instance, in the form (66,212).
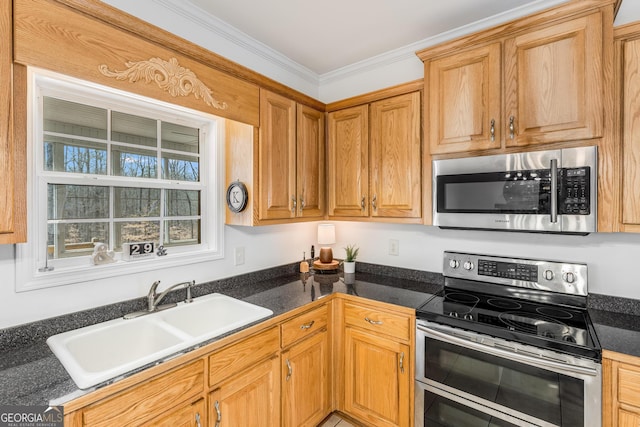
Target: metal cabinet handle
(374,203)
(373,322)
(218,413)
(294,203)
(198,420)
(307,325)
(289,370)
(302,204)
(554,191)
(362,202)
(512,127)
(402,362)
(492,130)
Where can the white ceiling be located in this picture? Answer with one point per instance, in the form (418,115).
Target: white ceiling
(327,35)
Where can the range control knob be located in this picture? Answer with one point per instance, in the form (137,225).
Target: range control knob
(468,265)
(569,277)
(548,274)
(454,263)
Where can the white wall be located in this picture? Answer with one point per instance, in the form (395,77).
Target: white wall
(612,258)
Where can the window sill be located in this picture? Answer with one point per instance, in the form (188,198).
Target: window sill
(69,275)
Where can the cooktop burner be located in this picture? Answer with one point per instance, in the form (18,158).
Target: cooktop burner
(546,309)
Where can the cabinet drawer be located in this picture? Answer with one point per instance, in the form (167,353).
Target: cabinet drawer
(303,325)
(243,354)
(375,320)
(147,400)
(629,386)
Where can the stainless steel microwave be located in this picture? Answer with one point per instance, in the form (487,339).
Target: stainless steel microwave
(552,191)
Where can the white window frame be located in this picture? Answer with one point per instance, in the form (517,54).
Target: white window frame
(31,257)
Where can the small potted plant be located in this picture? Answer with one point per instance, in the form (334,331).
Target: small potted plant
(350,258)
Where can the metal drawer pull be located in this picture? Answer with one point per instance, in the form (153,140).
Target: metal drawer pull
(362,203)
(295,204)
(402,362)
(217,406)
(373,322)
(492,130)
(198,419)
(307,325)
(302,205)
(374,202)
(290,370)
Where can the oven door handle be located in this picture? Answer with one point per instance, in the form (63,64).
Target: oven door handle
(519,357)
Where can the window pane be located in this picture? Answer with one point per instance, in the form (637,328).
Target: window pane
(183,232)
(134,129)
(182,203)
(180,138)
(75,239)
(136,202)
(75,156)
(180,168)
(136,231)
(74,119)
(134,163)
(77,201)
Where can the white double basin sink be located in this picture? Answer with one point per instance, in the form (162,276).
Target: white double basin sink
(98,353)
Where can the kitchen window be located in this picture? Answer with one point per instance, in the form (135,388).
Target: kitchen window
(111,167)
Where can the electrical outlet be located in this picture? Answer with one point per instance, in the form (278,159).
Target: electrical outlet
(394,247)
(239,255)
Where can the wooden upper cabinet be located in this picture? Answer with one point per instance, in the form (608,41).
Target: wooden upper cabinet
(630,104)
(395,157)
(465,100)
(348,161)
(13,99)
(375,159)
(277,156)
(310,162)
(554,83)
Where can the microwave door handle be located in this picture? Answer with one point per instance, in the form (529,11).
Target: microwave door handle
(554,191)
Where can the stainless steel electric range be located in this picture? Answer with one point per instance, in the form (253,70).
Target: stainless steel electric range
(508,342)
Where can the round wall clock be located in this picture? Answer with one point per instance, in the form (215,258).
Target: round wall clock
(237,196)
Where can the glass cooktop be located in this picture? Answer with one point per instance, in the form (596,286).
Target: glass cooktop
(559,328)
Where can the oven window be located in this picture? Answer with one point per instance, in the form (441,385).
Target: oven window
(546,395)
(442,412)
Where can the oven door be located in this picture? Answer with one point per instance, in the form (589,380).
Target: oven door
(465,379)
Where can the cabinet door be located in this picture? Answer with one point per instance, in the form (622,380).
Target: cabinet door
(631,133)
(348,162)
(277,156)
(310,162)
(377,379)
(395,157)
(628,419)
(305,382)
(554,83)
(464,95)
(13,190)
(249,399)
(186,416)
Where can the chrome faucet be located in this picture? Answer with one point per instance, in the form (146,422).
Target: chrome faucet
(153,298)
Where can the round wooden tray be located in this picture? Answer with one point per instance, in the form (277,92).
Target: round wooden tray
(325,266)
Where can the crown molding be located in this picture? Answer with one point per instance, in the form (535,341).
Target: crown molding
(240,39)
(243,41)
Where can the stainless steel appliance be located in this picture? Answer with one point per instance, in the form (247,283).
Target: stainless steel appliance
(508,342)
(545,191)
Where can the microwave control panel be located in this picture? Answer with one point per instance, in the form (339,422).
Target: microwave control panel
(574,197)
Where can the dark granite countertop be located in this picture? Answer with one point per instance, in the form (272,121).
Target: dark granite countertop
(30,374)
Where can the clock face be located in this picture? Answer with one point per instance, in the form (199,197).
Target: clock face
(237,196)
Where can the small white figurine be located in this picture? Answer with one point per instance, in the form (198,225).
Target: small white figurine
(102,254)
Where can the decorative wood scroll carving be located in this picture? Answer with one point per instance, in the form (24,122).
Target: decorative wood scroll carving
(168,75)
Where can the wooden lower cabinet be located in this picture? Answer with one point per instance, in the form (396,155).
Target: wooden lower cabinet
(621,390)
(192,415)
(250,398)
(305,382)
